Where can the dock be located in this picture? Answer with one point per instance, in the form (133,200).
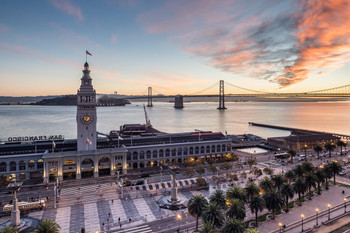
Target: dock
(344,136)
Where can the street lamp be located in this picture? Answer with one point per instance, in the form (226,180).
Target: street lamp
(329,211)
(280,224)
(345,204)
(179,217)
(317,216)
(302,223)
(305,148)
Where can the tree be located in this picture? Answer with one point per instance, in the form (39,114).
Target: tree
(243,175)
(328,174)
(288,192)
(189,171)
(232,225)
(256,205)
(213,168)
(310,181)
(225,166)
(273,201)
(299,187)
(329,146)
(291,152)
(251,162)
(9,229)
(320,177)
(47,226)
(4,181)
(335,168)
(341,144)
(307,167)
(201,181)
(268,171)
(257,172)
(266,184)
(200,169)
(278,181)
(236,192)
(252,230)
(236,209)
(298,170)
(251,189)
(318,149)
(196,206)
(208,227)
(213,214)
(290,175)
(218,197)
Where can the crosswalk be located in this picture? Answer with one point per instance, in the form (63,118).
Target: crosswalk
(139,229)
(74,191)
(63,218)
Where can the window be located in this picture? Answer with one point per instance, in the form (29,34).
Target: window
(3,167)
(22,165)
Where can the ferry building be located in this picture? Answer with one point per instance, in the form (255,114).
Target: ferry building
(92,156)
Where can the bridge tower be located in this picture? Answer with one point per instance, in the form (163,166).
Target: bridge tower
(221,96)
(149,104)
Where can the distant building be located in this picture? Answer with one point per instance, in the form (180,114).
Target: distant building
(298,140)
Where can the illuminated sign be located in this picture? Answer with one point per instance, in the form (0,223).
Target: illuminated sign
(35,138)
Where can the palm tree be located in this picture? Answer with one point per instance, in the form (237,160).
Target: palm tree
(327,174)
(318,149)
(310,181)
(208,227)
(213,214)
(236,209)
(278,181)
(9,229)
(236,192)
(273,201)
(256,205)
(266,184)
(47,226)
(251,189)
(341,144)
(196,206)
(307,167)
(298,170)
(299,187)
(291,152)
(320,177)
(252,230)
(218,197)
(288,192)
(335,168)
(233,225)
(290,175)
(329,146)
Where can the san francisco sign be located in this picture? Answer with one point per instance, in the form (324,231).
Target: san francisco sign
(35,138)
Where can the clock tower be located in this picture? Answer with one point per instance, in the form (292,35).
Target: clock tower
(86,113)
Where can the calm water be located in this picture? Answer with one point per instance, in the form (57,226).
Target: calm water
(48,120)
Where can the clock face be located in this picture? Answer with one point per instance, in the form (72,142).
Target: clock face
(86,119)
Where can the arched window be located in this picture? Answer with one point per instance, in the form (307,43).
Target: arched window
(208,149)
(128,156)
(148,154)
(142,155)
(173,152)
(40,164)
(218,149)
(212,149)
(191,150)
(31,164)
(3,167)
(167,153)
(155,154)
(135,156)
(179,151)
(223,148)
(185,151)
(22,165)
(202,150)
(161,153)
(197,150)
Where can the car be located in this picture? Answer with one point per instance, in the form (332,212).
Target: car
(342,173)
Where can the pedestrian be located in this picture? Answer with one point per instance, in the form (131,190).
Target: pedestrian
(112,201)
(119,220)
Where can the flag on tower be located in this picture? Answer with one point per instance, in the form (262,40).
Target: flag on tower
(87,53)
(88,141)
(120,138)
(53,144)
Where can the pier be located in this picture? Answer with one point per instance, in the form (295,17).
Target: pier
(344,136)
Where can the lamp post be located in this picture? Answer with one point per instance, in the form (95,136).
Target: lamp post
(317,216)
(302,223)
(305,148)
(329,211)
(179,217)
(345,204)
(280,225)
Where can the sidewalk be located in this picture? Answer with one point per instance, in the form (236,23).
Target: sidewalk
(338,224)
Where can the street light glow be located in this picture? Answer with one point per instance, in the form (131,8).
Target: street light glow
(280,224)
(302,215)
(345,199)
(179,216)
(317,210)
(329,205)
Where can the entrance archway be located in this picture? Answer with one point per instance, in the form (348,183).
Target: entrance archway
(104,167)
(87,168)
(134,165)
(69,170)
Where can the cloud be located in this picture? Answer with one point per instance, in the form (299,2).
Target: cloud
(35,54)
(277,41)
(114,39)
(68,7)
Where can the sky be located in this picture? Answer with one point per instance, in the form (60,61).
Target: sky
(176,47)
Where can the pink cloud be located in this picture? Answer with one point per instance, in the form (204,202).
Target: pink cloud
(114,39)
(68,7)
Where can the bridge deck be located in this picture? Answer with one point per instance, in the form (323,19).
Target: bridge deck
(296,129)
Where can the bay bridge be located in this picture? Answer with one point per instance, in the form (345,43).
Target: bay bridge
(236,91)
